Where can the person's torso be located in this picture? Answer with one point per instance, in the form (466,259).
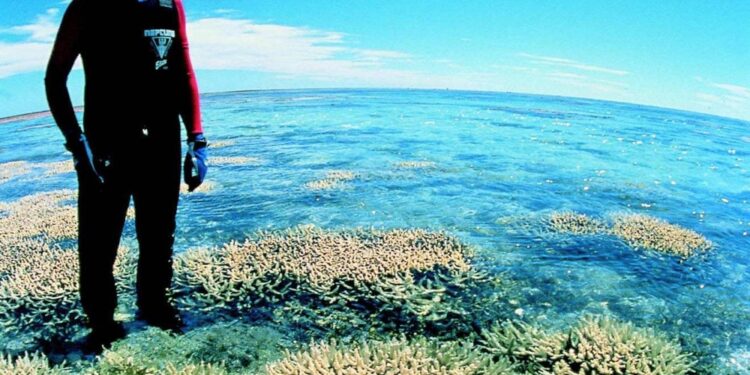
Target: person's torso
(132,61)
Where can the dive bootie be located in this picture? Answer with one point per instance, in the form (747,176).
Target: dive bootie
(102,337)
(165,317)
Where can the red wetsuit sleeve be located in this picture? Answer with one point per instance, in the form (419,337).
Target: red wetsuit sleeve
(190,106)
(64,54)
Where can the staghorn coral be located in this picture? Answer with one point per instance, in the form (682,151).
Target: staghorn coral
(13,169)
(574,223)
(44,215)
(30,364)
(415,357)
(410,279)
(415,164)
(316,258)
(39,292)
(642,231)
(595,346)
(232,347)
(334,179)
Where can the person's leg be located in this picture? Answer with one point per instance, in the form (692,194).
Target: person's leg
(101,216)
(156,196)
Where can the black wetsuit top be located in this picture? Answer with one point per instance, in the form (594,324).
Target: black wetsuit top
(139,78)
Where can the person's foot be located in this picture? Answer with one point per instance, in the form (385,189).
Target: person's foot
(165,317)
(102,337)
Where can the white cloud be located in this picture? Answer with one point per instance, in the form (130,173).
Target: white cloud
(43,29)
(726,99)
(239,44)
(32,53)
(561,62)
(740,91)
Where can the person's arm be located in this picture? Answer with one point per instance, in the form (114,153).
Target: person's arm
(64,54)
(190,103)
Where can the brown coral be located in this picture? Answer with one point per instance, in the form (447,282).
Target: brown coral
(642,231)
(575,223)
(334,179)
(397,356)
(595,346)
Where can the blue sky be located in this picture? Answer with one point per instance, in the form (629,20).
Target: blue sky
(686,54)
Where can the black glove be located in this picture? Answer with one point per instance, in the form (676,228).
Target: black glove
(196,161)
(83,159)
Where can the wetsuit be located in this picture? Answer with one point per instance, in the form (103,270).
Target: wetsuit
(139,81)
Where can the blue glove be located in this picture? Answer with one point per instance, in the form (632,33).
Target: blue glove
(196,161)
(83,160)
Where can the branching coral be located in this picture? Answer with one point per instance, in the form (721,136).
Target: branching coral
(39,292)
(575,223)
(594,346)
(45,215)
(35,364)
(219,348)
(334,180)
(642,231)
(416,357)
(398,277)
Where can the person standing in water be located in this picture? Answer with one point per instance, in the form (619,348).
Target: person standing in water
(139,82)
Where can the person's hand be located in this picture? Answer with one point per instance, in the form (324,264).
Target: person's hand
(83,160)
(196,161)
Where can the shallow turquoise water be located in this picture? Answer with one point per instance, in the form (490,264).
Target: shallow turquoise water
(501,162)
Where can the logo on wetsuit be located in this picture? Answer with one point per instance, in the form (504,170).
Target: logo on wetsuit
(161,41)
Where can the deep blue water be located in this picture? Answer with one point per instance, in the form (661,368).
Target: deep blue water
(501,162)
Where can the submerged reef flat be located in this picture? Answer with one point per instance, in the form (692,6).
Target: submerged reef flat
(206,187)
(234,160)
(221,143)
(57,167)
(45,215)
(13,169)
(595,346)
(643,231)
(575,223)
(415,165)
(335,179)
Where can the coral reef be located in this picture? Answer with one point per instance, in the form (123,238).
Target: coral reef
(58,167)
(35,364)
(415,164)
(397,356)
(206,187)
(221,143)
(217,349)
(44,215)
(575,223)
(39,290)
(234,160)
(334,180)
(595,346)
(13,169)
(642,231)
(400,279)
